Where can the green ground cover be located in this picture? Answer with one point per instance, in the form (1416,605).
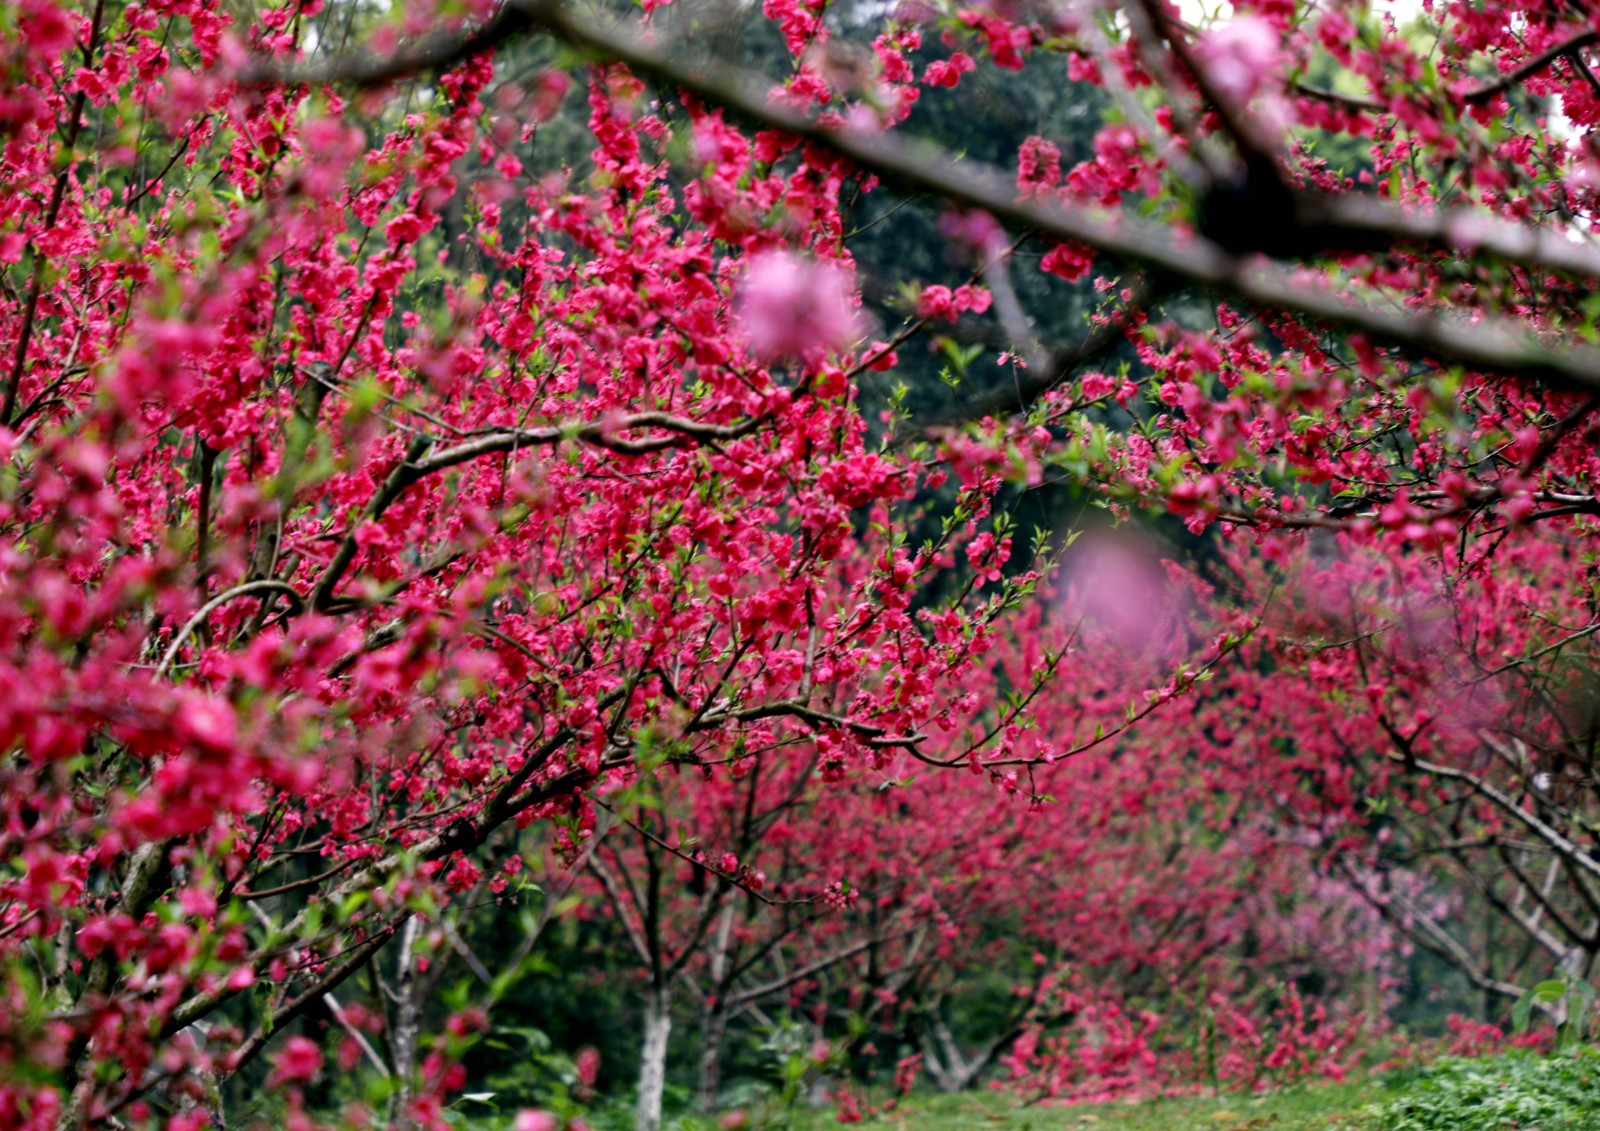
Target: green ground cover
(1514,1092)
(1517,1092)
(1300,1109)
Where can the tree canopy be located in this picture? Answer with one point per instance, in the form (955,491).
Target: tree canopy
(858,498)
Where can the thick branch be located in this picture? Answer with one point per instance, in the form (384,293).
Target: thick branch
(437,846)
(1489,344)
(600,433)
(1525,922)
(619,904)
(1062,364)
(326,984)
(211,606)
(417,464)
(1532,67)
(1472,97)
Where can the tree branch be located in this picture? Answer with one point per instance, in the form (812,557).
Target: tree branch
(1491,344)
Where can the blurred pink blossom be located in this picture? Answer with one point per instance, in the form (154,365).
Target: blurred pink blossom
(793,307)
(298,1061)
(1240,57)
(1115,581)
(588,1062)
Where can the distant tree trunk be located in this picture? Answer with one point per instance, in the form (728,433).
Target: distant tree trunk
(406,1027)
(942,1059)
(205,1101)
(715,1033)
(653,1060)
(714,1027)
(953,1070)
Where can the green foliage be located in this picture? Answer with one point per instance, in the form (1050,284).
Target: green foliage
(1516,1092)
(571,993)
(792,1064)
(1577,999)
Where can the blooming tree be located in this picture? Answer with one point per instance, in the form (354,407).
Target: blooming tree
(320,592)
(1114,878)
(1427,735)
(378,486)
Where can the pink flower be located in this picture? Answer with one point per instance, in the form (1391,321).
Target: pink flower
(531,1119)
(948,72)
(198,903)
(48,30)
(973,230)
(1240,56)
(548,91)
(588,1064)
(941,302)
(1069,260)
(1039,166)
(936,302)
(207,722)
(793,307)
(1095,386)
(299,1061)
(987,556)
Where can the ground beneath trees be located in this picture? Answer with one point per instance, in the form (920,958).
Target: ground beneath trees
(1300,1109)
(1516,1091)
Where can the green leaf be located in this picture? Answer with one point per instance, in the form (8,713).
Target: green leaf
(1521,1013)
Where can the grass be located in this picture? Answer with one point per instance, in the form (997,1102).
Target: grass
(1316,1108)
(1511,1092)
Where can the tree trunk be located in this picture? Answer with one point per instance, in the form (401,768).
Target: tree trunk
(715,1028)
(405,1029)
(715,1032)
(653,1061)
(943,1060)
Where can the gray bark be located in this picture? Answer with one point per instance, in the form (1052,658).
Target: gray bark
(715,1033)
(407,1024)
(715,1022)
(653,1060)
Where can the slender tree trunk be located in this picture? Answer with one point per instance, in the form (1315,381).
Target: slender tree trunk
(948,1067)
(714,1029)
(407,1025)
(653,1060)
(715,1034)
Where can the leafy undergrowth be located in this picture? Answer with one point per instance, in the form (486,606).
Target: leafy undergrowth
(1514,1092)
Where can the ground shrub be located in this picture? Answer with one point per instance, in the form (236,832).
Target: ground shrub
(1514,1092)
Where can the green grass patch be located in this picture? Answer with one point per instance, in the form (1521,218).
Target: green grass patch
(1514,1092)
(1315,1108)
